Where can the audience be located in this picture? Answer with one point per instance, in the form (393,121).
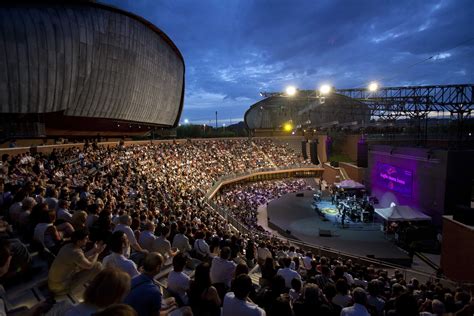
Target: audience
(73,267)
(141,200)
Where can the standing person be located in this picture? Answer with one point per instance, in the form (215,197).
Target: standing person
(237,303)
(72,267)
(145,294)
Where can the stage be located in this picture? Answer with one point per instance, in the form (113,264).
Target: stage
(332,215)
(296,215)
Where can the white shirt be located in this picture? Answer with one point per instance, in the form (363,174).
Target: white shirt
(181,242)
(178,283)
(63,214)
(146,240)
(235,307)
(263,253)
(356,310)
(222,271)
(307,262)
(130,235)
(288,274)
(116,260)
(201,246)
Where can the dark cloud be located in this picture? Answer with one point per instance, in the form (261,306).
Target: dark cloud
(234,49)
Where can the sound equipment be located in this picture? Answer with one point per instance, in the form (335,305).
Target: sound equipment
(313,150)
(299,194)
(362,154)
(325,233)
(303,149)
(464,215)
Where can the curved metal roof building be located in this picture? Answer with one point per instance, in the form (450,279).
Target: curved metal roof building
(306,110)
(86,66)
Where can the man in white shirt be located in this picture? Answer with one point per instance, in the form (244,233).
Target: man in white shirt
(263,253)
(161,244)
(180,240)
(287,273)
(237,303)
(178,281)
(147,237)
(124,226)
(358,309)
(62,211)
(200,245)
(118,243)
(222,269)
(307,260)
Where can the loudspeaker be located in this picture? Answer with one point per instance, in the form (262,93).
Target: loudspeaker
(299,194)
(313,150)
(303,149)
(325,233)
(464,215)
(362,154)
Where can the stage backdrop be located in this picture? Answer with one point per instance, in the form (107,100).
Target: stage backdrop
(409,176)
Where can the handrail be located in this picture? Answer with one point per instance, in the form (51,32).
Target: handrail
(252,232)
(220,181)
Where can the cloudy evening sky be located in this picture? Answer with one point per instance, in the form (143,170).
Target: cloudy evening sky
(235,49)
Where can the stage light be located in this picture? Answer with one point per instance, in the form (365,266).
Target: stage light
(287,127)
(325,89)
(373,86)
(291,91)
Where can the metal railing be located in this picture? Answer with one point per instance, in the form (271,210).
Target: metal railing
(330,252)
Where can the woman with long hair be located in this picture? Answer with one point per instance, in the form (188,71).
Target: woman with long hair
(203,297)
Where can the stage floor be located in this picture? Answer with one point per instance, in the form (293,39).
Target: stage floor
(296,215)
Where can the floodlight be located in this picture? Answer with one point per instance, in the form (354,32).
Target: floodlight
(287,127)
(186,121)
(291,91)
(373,86)
(325,89)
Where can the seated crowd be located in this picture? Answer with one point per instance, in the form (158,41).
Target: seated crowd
(243,199)
(108,220)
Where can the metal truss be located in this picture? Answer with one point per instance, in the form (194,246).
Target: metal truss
(417,101)
(412,101)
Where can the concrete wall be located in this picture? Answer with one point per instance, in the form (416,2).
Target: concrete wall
(322,148)
(355,173)
(349,146)
(88,60)
(331,174)
(457,257)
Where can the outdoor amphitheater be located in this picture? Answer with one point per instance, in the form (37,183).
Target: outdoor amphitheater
(331,202)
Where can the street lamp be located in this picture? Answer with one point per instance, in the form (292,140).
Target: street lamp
(186,121)
(325,89)
(290,91)
(373,86)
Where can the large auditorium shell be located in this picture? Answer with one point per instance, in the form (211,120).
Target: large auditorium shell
(85,66)
(306,110)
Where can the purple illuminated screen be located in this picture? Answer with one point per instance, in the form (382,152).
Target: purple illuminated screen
(394,178)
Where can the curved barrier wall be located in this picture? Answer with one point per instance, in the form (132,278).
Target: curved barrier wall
(88,60)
